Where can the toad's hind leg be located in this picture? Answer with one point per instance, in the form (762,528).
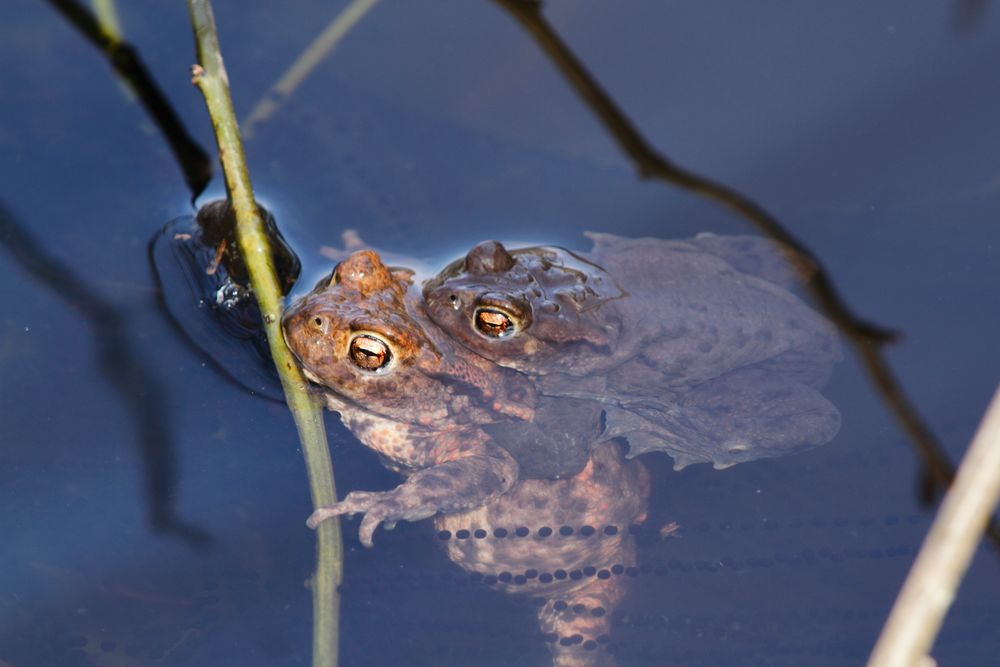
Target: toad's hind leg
(578,624)
(757,413)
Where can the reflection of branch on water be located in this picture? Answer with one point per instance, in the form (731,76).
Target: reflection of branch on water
(867,338)
(193,160)
(306,63)
(124,369)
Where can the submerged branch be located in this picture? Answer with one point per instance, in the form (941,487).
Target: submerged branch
(306,63)
(867,338)
(210,77)
(946,553)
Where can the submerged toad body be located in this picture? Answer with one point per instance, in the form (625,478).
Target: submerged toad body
(448,419)
(696,348)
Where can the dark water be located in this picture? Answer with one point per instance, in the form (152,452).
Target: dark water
(868,128)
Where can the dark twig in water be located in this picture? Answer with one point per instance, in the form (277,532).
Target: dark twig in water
(193,160)
(125,369)
(255,247)
(868,338)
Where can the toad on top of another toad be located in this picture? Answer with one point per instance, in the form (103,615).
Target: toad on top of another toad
(461,427)
(696,348)
(411,395)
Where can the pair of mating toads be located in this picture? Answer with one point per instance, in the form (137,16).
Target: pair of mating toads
(508,389)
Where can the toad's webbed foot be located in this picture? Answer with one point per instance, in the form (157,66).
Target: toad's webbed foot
(452,486)
(378,507)
(749,414)
(755,413)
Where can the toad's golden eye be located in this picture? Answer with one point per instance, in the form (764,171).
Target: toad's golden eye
(494,322)
(369,353)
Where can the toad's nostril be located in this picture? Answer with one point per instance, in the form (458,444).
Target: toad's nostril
(321,325)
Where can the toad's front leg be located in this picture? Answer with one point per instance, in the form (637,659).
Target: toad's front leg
(460,477)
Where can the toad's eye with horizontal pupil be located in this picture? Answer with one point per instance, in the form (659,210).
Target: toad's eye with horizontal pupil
(494,323)
(369,353)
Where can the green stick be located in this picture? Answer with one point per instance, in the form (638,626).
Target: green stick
(210,77)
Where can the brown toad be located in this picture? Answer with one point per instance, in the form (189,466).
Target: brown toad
(696,348)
